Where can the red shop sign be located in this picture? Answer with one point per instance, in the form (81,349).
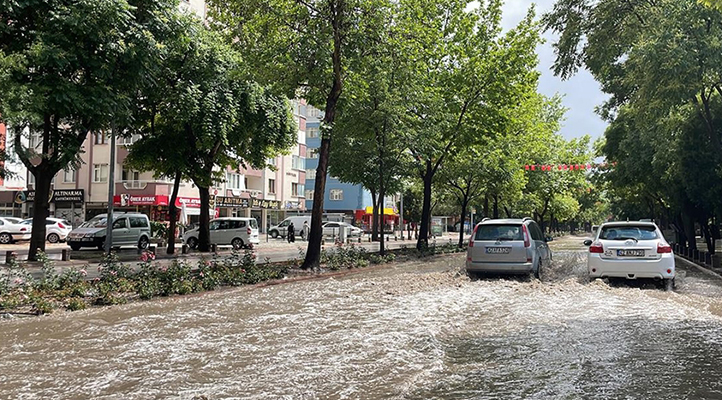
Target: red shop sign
(190,202)
(140,200)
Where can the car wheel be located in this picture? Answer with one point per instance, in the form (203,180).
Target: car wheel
(237,243)
(669,285)
(53,238)
(143,243)
(5,238)
(274,234)
(192,243)
(75,247)
(537,271)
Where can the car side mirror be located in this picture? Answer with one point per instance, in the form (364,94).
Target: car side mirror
(549,238)
(588,242)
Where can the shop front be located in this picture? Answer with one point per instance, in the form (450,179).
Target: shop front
(266,212)
(66,204)
(157,209)
(363,219)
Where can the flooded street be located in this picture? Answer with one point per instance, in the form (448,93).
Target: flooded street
(417,331)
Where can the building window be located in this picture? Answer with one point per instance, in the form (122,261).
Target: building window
(99,137)
(131,178)
(297,189)
(336,194)
(36,139)
(272,161)
(312,153)
(234,181)
(310,174)
(272,186)
(311,133)
(129,140)
(309,194)
(69,176)
(298,162)
(100,173)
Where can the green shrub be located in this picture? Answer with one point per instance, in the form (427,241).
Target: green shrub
(75,304)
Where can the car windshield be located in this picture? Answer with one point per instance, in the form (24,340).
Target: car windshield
(641,232)
(499,232)
(97,222)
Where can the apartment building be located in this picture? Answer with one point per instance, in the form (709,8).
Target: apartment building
(15,182)
(339,197)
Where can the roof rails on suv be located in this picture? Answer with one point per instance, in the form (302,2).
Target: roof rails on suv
(485,219)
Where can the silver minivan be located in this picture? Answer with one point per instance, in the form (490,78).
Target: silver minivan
(508,246)
(239,232)
(129,229)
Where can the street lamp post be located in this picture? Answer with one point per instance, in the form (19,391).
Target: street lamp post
(111,192)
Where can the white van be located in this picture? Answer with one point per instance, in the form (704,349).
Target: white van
(238,232)
(129,229)
(282,228)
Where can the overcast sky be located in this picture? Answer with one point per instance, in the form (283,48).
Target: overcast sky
(580,93)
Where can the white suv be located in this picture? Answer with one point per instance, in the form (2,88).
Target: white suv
(238,232)
(631,250)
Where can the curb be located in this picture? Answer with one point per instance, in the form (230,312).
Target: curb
(699,267)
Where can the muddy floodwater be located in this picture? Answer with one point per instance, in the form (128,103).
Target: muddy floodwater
(413,331)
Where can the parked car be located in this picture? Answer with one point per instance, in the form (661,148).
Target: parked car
(282,228)
(56,229)
(129,229)
(334,229)
(238,232)
(631,250)
(509,246)
(12,230)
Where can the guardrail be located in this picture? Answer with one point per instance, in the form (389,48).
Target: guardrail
(699,257)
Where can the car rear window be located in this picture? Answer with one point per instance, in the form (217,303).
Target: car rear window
(253,224)
(499,232)
(641,232)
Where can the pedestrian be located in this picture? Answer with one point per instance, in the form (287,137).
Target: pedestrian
(305,231)
(291,233)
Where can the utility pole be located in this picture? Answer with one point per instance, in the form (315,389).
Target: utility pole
(111,192)
(401,215)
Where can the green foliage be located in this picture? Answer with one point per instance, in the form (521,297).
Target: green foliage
(158,229)
(68,68)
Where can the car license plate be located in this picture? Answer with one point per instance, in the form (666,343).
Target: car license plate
(498,250)
(630,253)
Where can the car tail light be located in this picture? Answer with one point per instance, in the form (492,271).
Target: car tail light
(669,271)
(248,230)
(663,248)
(473,234)
(60,225)
(525,231)
(596,248)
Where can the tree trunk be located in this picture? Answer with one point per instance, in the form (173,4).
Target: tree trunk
(496,207)
(204,231)
(173,212)
(41,211)
(374,217)
(313,251)
(423,241)
(382,245)
(486,206)
(704,223)
(464,204)
(508,212)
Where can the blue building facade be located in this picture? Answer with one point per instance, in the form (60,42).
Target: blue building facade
(339,197)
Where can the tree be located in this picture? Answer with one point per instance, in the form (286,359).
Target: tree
(369,146)
(469,78)
(67,68)
(213,116)
(304,48)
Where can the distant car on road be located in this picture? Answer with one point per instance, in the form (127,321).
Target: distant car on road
(12,230)
(631,250)
(331,229)
(509,246)
(129,229)
(238,232)
(56,229)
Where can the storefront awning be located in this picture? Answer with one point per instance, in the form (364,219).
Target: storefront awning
(387,211)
